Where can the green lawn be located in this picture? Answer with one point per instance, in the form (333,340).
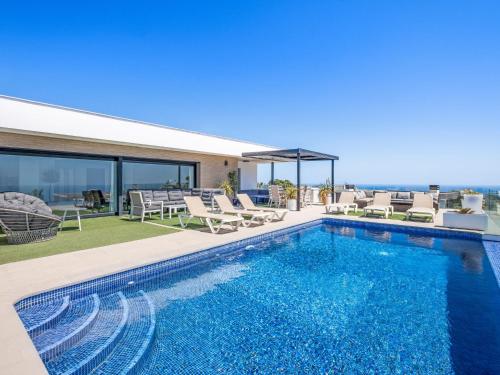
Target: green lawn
(95,232)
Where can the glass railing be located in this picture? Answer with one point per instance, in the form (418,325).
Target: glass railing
(492,208)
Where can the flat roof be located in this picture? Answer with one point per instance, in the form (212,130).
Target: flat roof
(21,116)
(289,155)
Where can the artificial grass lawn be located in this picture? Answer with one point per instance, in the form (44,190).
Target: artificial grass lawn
(95,232)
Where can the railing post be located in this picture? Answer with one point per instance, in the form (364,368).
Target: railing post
(298,181)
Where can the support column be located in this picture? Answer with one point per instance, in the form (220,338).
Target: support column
(298,181)
(272,172)
(119,187)
(333,181)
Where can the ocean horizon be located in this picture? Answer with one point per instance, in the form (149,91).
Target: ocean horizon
(421,187)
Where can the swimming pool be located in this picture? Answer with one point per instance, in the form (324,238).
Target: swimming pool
(323,297)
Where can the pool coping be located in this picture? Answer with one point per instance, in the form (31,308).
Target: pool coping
(21,343)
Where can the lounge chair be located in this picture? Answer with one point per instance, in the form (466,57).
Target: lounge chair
(25,218)
(246,202)
(381,204)
(141,207)
(198,210)
(423,204)
(227,207)
(345,202)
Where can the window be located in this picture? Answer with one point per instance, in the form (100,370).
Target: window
(88,183)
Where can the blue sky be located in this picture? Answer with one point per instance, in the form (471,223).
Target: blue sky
(403,91)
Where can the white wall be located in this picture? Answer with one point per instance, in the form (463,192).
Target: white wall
(21,116)
(248,175)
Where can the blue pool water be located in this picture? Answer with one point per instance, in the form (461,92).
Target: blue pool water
(325,299)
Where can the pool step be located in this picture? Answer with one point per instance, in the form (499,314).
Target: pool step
(98,342)
(130,352)
(76,322)
(42,316)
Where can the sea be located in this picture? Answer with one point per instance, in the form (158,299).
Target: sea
(485,189)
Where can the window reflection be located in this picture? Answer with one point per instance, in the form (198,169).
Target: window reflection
(61,181)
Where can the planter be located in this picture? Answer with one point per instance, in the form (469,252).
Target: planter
(326,199)
(315,195)
(291,204)
(473,201)
(478,221)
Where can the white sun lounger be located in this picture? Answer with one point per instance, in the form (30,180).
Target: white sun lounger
(423,204)
(227,207)
(276,213)
(381,205)
(198,210)
(345,203)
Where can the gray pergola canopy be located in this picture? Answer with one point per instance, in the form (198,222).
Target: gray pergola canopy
(289,155)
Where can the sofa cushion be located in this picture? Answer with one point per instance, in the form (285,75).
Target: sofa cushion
(196,192)
(175,195)
(160,195)
(394,194)
(369,193)
(361,194)
(404,195)
(206,195)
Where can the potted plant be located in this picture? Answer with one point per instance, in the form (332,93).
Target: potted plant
(325,193)
(227,187)
(291,198)
(473,200)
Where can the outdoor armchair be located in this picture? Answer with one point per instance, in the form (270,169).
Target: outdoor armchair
(141,207)
(24,218)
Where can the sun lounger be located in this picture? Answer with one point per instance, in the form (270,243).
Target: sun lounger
(346,202)
(276,213)
(423,204)
(227,207)
(381,205)
(198,210)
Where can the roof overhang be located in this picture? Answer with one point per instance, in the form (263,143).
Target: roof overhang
(288,155)
(21,116)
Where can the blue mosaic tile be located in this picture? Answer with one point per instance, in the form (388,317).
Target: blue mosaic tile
(98,342)
(42,316)
(113,282)
(79,319)
(493,252)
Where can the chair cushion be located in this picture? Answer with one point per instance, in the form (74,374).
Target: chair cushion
(369,193)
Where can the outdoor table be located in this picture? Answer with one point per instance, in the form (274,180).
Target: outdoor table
(66,209)
(175,207)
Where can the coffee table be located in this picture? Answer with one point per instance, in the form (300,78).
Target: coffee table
(69,208)
(175,208)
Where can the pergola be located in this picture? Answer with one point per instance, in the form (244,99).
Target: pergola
(298,155)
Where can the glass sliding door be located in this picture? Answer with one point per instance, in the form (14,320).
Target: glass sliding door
(149,176)
(139,175)
(187,176)
(61,181)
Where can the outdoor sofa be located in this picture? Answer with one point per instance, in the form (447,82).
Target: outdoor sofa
(400,200)
(173,197)
(25,218)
